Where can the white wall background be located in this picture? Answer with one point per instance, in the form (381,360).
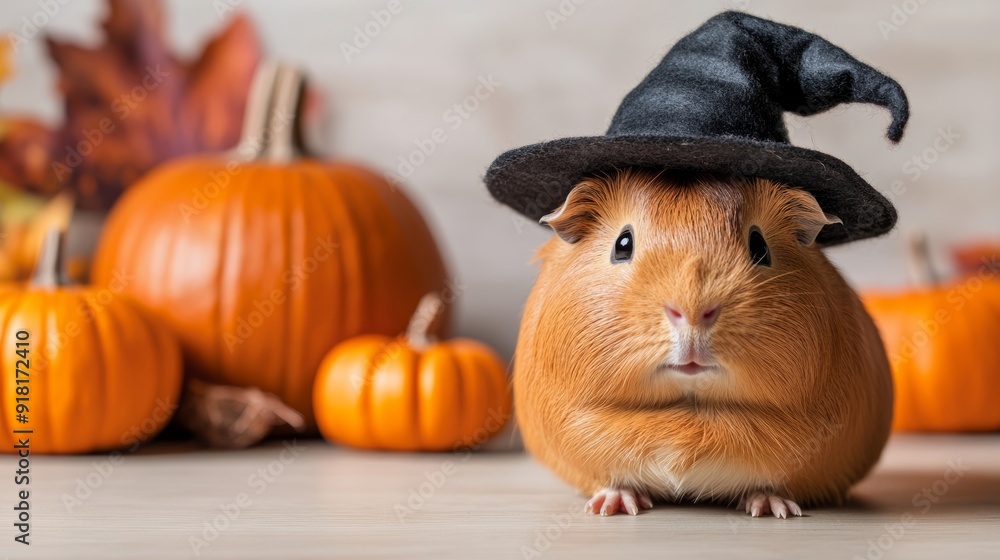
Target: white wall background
(568,79)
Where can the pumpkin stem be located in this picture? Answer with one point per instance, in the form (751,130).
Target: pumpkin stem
(418,333)
(918,258)
(272,122)
(49,269)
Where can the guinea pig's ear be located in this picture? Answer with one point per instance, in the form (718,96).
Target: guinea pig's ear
(810,217)
(576,216)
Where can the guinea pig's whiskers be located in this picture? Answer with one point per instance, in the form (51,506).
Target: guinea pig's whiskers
(787,298)
(767,281)
(771,296)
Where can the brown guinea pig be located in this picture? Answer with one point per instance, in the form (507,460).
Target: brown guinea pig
(687,340)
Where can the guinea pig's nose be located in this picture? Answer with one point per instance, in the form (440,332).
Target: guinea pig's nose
(705,317)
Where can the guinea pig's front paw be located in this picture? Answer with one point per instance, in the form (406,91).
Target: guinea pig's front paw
(759,503)
(609,501)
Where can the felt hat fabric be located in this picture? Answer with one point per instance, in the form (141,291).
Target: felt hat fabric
(715,104)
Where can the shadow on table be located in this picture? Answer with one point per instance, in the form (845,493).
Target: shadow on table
(191,446)
(920,490)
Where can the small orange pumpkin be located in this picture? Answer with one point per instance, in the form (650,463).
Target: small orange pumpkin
(262,259)
(96,373)
(411,393)
(941,340)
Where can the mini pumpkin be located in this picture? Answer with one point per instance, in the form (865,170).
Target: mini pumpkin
(262,259)
(941,342)
(95,372)
(412,393)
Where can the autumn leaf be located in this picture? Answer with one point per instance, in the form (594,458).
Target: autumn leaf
(130,104)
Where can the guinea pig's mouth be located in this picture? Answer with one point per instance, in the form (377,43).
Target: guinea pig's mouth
(690,368)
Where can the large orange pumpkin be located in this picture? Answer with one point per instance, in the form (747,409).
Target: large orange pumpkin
(96,373)
(941,340)
(412,393)
(263,259)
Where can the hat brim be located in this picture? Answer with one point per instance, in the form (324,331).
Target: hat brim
(535,179)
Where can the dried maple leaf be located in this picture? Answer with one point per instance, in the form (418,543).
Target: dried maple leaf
(129,105)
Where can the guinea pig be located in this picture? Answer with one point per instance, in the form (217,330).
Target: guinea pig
(687,340)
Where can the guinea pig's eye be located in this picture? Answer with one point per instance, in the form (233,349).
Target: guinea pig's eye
(624,245)
(760,254)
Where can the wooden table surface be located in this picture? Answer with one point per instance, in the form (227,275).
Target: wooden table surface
(931,497)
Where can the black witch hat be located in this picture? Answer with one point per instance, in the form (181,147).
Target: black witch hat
(715,104)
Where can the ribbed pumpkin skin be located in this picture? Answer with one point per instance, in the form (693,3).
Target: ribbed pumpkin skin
(212,267)
(377,392)
(942,345)
(102,375)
